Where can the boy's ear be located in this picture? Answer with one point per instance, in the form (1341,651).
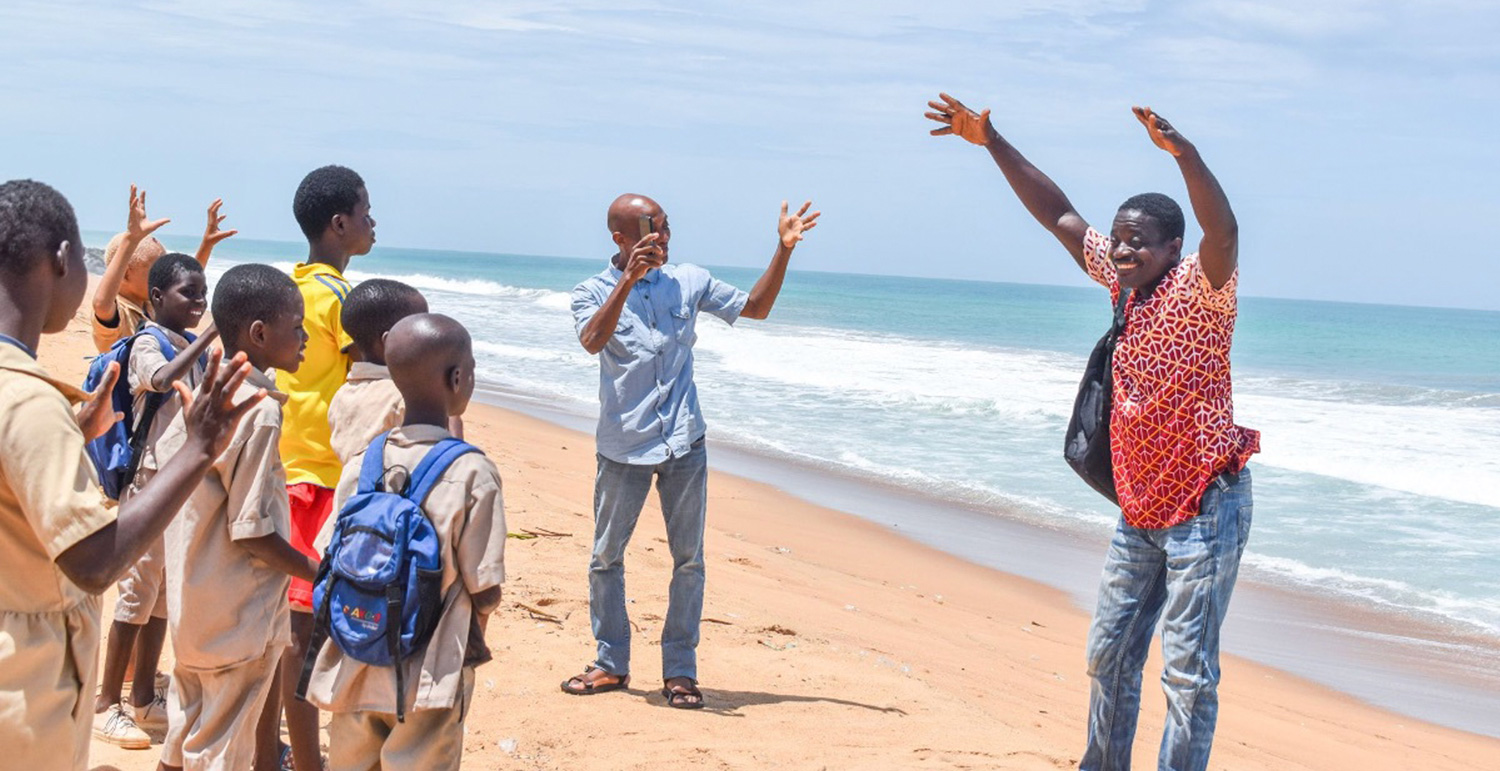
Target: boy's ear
(154,295)
(453,379)
(60,260)
(256,334)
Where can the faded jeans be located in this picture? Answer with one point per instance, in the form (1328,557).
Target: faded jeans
(620,491)
(1183,575)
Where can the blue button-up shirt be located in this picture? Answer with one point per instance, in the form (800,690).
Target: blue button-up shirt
(648,404)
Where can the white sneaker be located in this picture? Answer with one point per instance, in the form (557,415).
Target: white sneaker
(118,728)
(152,717)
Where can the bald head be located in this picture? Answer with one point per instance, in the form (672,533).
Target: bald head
(626,212)
(431,359)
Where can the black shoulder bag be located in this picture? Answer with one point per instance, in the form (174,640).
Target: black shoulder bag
(1086,446)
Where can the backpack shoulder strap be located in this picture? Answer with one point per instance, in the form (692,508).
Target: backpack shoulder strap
(168,349)
(372,469)
(431,469)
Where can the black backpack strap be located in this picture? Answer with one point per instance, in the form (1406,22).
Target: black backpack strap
(154,401)
(395,595)
(320,631)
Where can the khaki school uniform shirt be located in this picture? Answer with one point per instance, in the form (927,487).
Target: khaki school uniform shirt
(226,607)
(49,628)
(467,511)
(167,431)
(365,407)
(128,318)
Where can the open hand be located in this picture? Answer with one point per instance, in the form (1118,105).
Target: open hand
(137,226)
(960,120)
(210,414)
(212,235)
(1161,131)
(791,226)
(97,414)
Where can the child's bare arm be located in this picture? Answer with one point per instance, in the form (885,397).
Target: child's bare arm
(212,235)
(165,376)
(485,603)
(275,551)
(136,230)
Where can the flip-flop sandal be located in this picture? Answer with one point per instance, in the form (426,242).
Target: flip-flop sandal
(678,698)
(588,688)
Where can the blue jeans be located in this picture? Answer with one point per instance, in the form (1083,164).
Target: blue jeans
(1182,575)
(619,493)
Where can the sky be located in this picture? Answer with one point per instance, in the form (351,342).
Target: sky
(1355,138)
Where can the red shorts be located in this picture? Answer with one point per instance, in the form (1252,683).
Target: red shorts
(311,505)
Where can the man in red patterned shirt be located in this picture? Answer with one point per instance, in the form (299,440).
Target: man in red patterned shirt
(1179,459)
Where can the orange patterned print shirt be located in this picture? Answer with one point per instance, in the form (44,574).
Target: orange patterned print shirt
(1172,423)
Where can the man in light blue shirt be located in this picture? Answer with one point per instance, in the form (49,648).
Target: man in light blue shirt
(640,315)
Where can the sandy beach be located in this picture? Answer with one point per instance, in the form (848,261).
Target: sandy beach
(828,642)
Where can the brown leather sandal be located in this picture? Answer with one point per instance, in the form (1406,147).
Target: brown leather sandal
(682,696)
(588,686)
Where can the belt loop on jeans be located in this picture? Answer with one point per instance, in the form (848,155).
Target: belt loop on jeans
(1227,479)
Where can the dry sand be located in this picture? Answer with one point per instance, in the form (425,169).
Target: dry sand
(828,642)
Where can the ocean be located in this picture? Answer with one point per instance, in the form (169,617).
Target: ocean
(1378,484)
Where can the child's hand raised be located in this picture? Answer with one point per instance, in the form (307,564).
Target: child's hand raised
(212,235)
(137,226)
(96,415)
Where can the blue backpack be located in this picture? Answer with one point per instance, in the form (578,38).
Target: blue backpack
(379,588)
(117,454)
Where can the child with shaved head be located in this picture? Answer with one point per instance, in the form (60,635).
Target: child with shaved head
(368,404)
(431,362)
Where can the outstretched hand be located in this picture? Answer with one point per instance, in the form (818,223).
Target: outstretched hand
(212,235)
(210,414)
(96,415)
(960,120)
(1161,131)
(137,226)
(791,226)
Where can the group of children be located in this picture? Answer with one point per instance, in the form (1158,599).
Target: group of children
(218,535)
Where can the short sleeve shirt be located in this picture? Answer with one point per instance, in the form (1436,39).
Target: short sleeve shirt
(166,434)
(325,364)
(648,403)
(468,512)
(49,627)
(128,318)
(1172,424)
(366,406)
(224,606)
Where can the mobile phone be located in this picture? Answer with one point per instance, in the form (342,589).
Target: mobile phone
(647,226)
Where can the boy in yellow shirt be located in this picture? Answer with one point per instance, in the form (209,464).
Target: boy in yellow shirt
(431,361)
(59,546)
(332,208)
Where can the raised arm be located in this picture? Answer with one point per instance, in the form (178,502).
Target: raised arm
(165,376)
(212,235)
(644,256)
(1219,251)
(1038,193)
(789,229)
(137,228)
(210,415)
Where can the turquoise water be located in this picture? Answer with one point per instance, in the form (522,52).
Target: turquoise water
(1379,480)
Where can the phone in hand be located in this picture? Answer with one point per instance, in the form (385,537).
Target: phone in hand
(647,226)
